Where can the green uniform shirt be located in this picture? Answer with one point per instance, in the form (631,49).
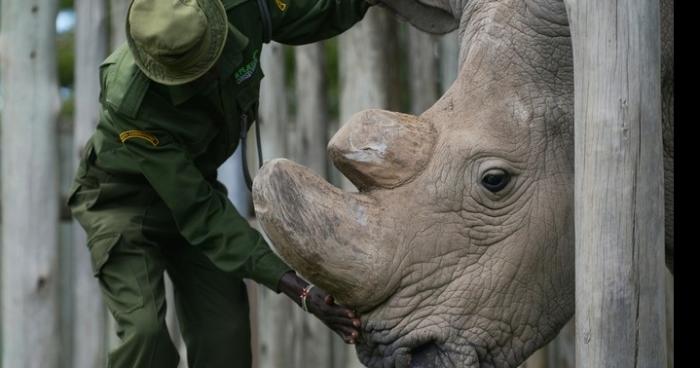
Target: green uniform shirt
(177,137)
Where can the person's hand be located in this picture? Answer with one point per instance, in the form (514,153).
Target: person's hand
(340,319)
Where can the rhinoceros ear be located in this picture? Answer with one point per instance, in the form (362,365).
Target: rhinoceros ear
(424,17)
(382,149)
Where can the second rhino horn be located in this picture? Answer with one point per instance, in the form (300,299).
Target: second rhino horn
(382,149)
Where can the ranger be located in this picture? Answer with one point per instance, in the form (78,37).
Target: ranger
(176,99)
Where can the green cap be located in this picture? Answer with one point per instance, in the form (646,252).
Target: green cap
(176,41)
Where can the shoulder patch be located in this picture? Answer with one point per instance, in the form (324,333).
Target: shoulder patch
(282,5)
(126,135)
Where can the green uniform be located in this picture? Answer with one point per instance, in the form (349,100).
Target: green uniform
(146,191)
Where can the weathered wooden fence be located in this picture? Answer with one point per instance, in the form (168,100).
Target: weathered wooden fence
(307,92)
(30,273)
(619,193)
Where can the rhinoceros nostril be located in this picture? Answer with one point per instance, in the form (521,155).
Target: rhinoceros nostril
(425,355)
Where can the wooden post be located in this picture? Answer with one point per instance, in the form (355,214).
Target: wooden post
(89,318)
(274,111)
(667,112)
(669,320)
(117,35)
(364,64)
(562,350)
(620,315)
(171,321)
(308,148)
(117,14)
(30,195)
(367,67)
(275,326)
(424,69)
(449,60)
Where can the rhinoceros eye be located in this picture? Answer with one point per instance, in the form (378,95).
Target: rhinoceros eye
(495,180)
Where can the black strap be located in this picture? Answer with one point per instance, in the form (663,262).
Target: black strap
(267,21)
(259,144)
(244,160)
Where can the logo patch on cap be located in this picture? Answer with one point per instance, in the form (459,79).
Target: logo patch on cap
(282,5)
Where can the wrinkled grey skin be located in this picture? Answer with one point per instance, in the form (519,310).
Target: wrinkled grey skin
(505,287)
(446,272)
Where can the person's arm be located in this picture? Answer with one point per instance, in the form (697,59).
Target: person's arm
(205,217)
(296,22)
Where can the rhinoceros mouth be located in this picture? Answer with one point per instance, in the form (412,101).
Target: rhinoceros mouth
(397,354)
(388,347)
(426,354)
(416,349)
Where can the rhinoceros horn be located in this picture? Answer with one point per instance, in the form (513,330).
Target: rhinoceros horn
(380,149)
(339,240)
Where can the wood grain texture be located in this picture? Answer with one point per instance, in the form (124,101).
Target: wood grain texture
(620,306)
(117,13)
(367,74)
(90,323)
(423,69)
(275,327)
(308,147)
(30,194)
(448,60)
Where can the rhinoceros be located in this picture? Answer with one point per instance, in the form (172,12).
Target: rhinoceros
(458,248)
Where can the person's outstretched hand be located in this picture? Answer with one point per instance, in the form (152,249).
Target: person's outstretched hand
(338,318)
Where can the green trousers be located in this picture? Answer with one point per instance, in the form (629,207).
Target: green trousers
(132,241)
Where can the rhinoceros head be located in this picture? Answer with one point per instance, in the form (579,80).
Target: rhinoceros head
(458,247)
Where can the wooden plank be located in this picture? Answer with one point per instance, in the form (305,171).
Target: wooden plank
(423,69)
(310,125)
(667,114)
(449,60)
(275,325)
(30,278)
(620,306)
(89,328)
(367,68)
(562,350)
(117,14)
(313,338)
(669,320)
(172,323)
(274,109)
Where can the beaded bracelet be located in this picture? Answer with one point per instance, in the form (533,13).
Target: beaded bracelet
(305,294)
